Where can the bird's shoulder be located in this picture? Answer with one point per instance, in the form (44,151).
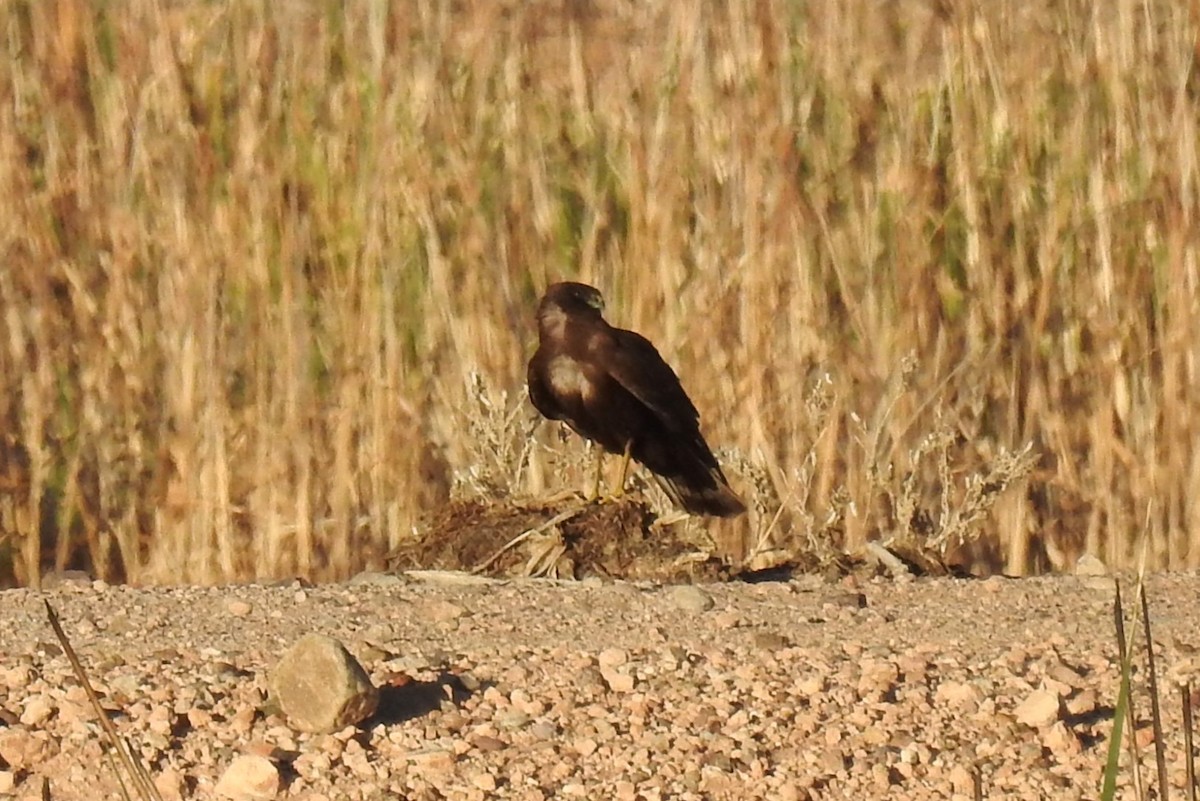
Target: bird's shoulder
(634,362)
(632,354)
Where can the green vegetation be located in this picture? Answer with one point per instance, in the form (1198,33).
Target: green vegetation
(253,252)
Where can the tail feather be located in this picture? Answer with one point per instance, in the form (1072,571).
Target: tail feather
(713,498)
(688,472)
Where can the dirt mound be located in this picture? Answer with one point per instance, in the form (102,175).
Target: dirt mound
(575,539)
(625,539)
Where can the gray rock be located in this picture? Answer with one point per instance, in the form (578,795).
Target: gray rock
(691,598)
(321,687)
(370,578)
(1089,565)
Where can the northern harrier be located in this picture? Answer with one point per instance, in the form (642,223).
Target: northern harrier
(611,386)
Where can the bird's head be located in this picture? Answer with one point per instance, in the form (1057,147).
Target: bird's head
(569,299)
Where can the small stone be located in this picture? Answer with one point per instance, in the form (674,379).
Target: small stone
(371,578)
(439,611)
(321,687)
(831,761)
(437,760)
(1038,710)
(1089,565)
(1185,671)
(8,781)
(484,781)
(249,778)
(1144,736)
(877,677)
(790,792)
(962,780)
(37,710)
(770,641)
(451,578)
(1061,741)
(512,719)
(485,742)
(242,720)
(170,784)
(76,578)
(161,721)
(357,762)
(544,730)
(1083,703)
(612,657)
(1102,585)
(373,653)
(727,620)
(691,598)
(586,746)
(74,714)
(1065,674)
(127,685)
(238,608)
(618,681)
(22,749)
(957,693)
(848,600)
(16,678)
(812,685)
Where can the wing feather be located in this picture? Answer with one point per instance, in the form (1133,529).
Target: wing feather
(635,364)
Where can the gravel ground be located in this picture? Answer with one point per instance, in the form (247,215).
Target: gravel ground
(537,689)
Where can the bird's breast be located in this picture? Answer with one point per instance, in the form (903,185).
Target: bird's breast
(567,378)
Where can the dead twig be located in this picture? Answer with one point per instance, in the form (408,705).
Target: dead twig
(561,517)
(129,760)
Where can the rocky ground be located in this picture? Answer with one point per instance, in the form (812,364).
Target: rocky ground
(538,689)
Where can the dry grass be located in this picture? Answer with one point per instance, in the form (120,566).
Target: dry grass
(253,251)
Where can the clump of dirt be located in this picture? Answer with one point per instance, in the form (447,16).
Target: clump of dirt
(574,539)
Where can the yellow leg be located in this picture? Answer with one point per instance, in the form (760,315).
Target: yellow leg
(619,489)
(599,474)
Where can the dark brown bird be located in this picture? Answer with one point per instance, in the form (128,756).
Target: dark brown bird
(611,386)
